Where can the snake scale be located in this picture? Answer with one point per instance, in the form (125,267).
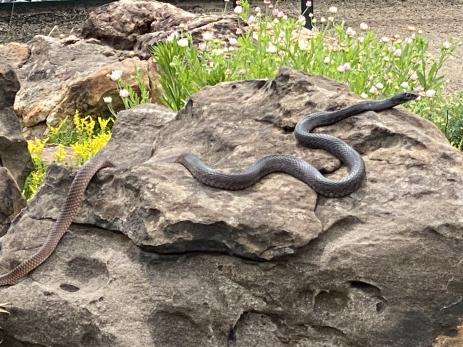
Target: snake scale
(235,181)
(68,212)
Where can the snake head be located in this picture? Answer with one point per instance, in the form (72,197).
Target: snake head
(402,98)
(408,96)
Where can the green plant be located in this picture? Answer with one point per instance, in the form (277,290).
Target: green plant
(446,112)
(35,178)
(84,135)
(91,141)
(129,95)
(132,97)
(370,65)
(184,70)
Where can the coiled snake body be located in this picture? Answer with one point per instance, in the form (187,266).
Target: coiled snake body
(299,168)
(235,181)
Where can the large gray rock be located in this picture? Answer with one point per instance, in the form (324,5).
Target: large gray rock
(120,23)
(13,147)
(381,267)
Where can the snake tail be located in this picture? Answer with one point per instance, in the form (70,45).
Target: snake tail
(71,206)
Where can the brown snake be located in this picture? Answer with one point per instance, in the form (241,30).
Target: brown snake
(68,212)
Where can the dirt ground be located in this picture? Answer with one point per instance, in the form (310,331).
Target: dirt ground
(440,20)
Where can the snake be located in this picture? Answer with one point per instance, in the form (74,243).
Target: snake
(70,208)
(299,168)
(206,175)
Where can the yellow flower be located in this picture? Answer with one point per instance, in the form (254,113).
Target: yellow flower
(60,154)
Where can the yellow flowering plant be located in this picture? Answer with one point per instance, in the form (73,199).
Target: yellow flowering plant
(84,136)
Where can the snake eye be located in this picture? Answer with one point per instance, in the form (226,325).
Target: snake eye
(411,95)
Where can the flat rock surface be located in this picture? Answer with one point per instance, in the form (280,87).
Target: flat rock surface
(156,258)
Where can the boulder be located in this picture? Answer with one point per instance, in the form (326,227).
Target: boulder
(157,259)
(138,25)
(120,23)
(15,53)
(11,202)
(13,147)
(69,74)
(9,85)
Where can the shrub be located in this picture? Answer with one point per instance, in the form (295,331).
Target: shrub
(446,112)
(84,135)
(35,178)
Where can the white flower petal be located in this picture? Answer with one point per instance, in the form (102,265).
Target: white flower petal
(183,42)
(123,93)
(116,75)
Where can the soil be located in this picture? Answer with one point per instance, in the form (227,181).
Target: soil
(439,20)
